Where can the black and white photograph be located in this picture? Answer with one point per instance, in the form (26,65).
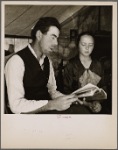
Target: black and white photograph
(58,74)
(78,53)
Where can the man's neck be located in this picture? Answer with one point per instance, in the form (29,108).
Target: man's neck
(37,49)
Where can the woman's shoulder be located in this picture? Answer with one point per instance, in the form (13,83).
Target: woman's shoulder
(71,64)
(96,62)
(97,66)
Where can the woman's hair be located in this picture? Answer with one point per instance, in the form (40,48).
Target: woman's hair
(84,33)
(43,25)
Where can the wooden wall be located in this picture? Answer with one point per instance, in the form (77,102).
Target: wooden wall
(97,19)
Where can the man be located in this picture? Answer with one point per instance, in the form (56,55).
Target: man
(30,80)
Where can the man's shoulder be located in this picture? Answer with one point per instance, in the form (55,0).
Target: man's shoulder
(16,57)
(15,60)
(22,50)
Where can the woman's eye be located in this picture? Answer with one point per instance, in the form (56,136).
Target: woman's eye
(90,44)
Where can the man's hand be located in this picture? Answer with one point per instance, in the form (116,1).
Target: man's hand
(62,103)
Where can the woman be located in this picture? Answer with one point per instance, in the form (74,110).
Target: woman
(83,69)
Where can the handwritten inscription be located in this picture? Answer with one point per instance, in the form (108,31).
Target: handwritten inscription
(63,117)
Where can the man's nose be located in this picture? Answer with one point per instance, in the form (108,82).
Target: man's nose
(56,42)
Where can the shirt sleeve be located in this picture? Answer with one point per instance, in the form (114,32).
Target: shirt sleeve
(52,87)
(14,72)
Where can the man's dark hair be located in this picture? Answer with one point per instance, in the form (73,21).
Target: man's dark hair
(43,25)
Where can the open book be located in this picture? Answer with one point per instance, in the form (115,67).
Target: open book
(91,92)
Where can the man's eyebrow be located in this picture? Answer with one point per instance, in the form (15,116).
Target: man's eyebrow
(54,35)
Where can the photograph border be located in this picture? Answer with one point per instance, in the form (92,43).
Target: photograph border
(69,131)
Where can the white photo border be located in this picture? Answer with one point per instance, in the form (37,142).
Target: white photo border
(61,131)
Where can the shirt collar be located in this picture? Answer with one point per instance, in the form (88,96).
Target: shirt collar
(41,61)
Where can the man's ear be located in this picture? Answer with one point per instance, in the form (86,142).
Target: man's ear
(38,35)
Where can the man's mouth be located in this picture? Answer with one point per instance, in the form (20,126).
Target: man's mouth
(52,49)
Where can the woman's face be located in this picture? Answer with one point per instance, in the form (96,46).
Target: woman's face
(86,45)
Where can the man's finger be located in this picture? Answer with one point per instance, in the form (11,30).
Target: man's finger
(81,102)
(71,100)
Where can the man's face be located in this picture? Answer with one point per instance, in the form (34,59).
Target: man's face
(49,40)
(86,45)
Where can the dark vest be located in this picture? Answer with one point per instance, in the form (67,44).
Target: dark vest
(35,79)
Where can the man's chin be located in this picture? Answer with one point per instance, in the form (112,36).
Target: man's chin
(47,53)
(50,52)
